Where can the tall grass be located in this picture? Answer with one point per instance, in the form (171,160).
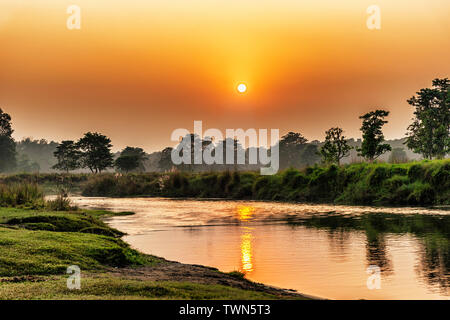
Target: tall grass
(21,194)
(61,203)
(30,195)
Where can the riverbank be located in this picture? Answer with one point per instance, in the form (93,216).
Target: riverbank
(421,183)
(37,246)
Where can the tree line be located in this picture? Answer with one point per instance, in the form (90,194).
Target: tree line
(93,151)
(428,135)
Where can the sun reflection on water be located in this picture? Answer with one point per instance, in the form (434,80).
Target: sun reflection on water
(245,214)
(246,251)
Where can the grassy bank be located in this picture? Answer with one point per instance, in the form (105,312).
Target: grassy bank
(50,183)
(44,243)
(37,246)
(415,183)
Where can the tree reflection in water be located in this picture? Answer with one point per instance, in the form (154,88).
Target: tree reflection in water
(433,232)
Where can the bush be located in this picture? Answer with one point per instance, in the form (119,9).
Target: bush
(60,203)
(422,194)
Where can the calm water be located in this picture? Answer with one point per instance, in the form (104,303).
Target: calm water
(315,249)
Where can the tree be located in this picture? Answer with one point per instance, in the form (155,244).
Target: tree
(25,164)
(165,161)
(429,134)
(398,155)
(372,145)
(131,159)
(290,149)
(7,144)
(68,155)
(40,152)
(96,152)
(335,147)
(310,155)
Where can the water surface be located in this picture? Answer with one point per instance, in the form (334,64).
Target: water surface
(320,250)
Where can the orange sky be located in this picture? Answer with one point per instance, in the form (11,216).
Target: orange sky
(139,69)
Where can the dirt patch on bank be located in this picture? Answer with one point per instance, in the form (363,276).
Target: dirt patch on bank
(179,272)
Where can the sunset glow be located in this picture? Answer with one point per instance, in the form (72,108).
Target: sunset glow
(311,65)
(229,150)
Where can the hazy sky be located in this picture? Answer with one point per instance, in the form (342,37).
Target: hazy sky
(139,69)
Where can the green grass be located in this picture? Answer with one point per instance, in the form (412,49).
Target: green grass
(26,252)
(39,242)
(107,287)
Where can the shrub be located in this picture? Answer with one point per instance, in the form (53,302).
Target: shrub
(60,203)
(422,194)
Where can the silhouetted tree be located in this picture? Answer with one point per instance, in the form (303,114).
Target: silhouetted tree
(68,155)
(39,153)
(290,149)
(429,134)
(96,152)
(372,144)
(7,144)
(335,147)
(131,159)
(165,162)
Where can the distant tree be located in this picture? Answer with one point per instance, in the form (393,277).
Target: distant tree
(40,152)
(68,156)
(7,144)
(165,161)
(291,145)
(309,155)
(429,134)
(96,152)
(292,139)
(231,146)
(131,159)
(335,147)
(25,164)
(372,144)
(398,155)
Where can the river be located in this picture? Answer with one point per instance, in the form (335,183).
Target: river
(336,252)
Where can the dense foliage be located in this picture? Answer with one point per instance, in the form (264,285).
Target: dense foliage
(414,183)
(429,134)
(7,145)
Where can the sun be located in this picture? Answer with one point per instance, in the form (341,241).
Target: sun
(242,88)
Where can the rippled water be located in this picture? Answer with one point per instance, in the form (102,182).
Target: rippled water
(320,250)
